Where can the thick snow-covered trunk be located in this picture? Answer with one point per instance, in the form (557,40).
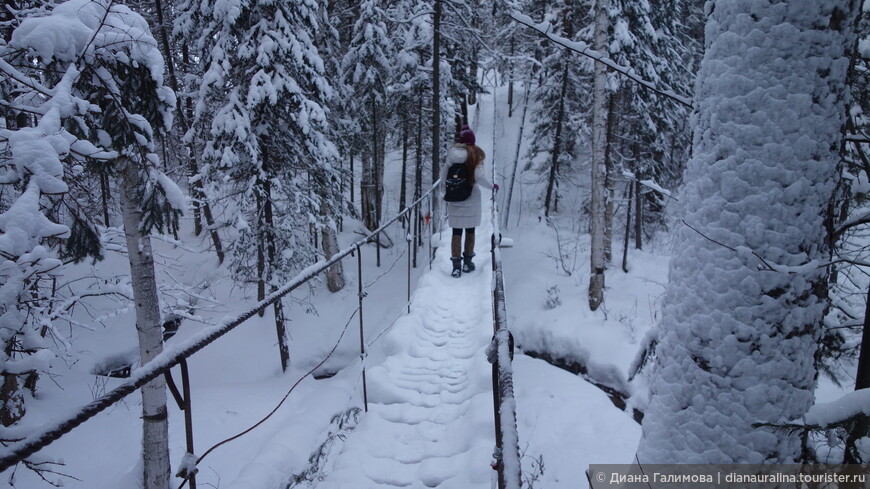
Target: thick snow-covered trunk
(155,424)
(744,305)
(599,140)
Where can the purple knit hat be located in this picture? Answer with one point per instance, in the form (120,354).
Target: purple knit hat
(466,135)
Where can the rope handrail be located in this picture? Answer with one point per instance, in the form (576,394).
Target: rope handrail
(173,355)
(507,437)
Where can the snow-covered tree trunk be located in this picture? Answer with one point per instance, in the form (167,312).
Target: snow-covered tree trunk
(155,423)
(329,241)
(599,140)
(744,306)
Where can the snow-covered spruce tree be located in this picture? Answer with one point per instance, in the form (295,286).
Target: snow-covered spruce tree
(747,291)
(560,113)
(508,43)
(647,134)
(413,40)
(332,200)
(412,86)
(367,68)
(847,332)
(651,136)
(267,145)
(461,39)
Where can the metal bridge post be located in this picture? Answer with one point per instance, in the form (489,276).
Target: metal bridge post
(410,239)
(431,227)
(415,215)
(188,417)
(378,248)
(362,341)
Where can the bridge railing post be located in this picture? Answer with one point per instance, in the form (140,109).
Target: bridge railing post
(362,340)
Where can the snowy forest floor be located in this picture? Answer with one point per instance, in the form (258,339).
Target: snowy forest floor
(430,400)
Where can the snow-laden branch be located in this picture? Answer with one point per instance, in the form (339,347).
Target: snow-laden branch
(582,48)
(649,184)
(850,223)
(843,409)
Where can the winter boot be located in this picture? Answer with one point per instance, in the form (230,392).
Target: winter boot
(467,264)
(457,270)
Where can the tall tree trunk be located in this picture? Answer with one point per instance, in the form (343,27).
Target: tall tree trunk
(610,175)
(510,189)
(862,381)
(638,197)
(747,294)
(105,192)
(368,197)
(352,181)
(271,252)
(329,242)
(155,423)
(201,207)
(510,98)
(627,227)
(403,184)
(378,162)
(436,112)
(557,141)
(418,169)
(599,140)
(259,192)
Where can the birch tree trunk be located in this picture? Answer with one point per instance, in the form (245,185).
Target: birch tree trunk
(599,140)
(744,307)
(155,423)
(329,241)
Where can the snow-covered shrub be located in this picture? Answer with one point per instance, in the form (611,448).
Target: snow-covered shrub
(553,298)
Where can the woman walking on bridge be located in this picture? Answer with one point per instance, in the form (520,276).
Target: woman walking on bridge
(461,178)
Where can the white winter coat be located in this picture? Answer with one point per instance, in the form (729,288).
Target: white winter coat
(464,214)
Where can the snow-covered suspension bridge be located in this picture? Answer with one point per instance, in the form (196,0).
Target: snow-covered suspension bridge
(427,402)
(432,394)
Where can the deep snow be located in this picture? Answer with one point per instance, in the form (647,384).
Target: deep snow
(429,382)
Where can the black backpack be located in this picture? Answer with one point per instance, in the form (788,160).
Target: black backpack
(458,188)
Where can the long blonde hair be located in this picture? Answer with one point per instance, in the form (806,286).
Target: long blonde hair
(474,158)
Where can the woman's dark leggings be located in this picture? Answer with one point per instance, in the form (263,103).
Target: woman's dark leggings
(456,243)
